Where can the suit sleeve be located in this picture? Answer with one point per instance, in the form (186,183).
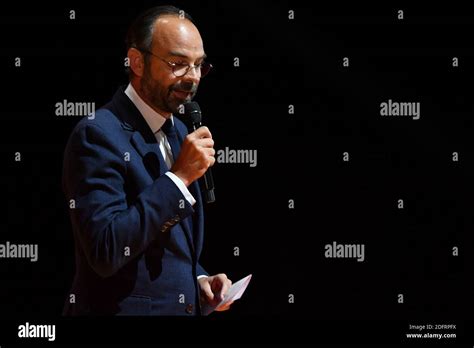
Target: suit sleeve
(200,270)
(105,224)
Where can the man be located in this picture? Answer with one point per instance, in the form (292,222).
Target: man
(130,174)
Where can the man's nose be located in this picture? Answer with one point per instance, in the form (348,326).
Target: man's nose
(193,75)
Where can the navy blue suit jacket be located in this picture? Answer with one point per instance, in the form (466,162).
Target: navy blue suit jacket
(137,239)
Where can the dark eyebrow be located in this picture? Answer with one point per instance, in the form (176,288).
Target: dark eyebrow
(182,55)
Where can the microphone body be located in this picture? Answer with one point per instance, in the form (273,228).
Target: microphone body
(193,120)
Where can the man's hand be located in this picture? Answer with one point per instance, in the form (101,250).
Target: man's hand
(196,156)
(213,289)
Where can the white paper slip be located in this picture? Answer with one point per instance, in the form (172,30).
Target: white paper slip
(235,292)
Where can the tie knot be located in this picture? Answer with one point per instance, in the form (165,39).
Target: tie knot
(168,128)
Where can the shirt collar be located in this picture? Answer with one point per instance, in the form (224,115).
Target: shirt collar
(154,120)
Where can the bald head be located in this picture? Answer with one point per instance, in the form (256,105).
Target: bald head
(177,37)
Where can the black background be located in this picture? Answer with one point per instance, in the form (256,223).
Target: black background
(337,109)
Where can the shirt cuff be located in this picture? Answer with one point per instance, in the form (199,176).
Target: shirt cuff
(182,187)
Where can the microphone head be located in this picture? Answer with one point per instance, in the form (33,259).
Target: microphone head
(192,113)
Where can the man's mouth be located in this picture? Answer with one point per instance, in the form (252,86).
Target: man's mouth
(182,94)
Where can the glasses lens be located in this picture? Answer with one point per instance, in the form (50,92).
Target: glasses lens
(180,70)
(205,68)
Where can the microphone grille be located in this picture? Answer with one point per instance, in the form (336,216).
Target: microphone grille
(192,112)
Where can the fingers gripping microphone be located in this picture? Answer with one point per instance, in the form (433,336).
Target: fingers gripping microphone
(192,119)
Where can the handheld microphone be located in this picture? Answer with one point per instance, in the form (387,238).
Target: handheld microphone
(192,119)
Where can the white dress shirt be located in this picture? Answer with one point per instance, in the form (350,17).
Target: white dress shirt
(155,121)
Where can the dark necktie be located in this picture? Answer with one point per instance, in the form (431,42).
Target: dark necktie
(169,129)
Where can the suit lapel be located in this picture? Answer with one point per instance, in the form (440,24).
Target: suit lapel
(151,154)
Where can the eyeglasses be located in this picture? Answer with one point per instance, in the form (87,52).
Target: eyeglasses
(179,70)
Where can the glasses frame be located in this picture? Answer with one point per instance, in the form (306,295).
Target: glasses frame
(174,66)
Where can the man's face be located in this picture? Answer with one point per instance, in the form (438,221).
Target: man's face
(178,41)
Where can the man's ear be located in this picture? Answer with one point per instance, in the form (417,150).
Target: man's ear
(137,61)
